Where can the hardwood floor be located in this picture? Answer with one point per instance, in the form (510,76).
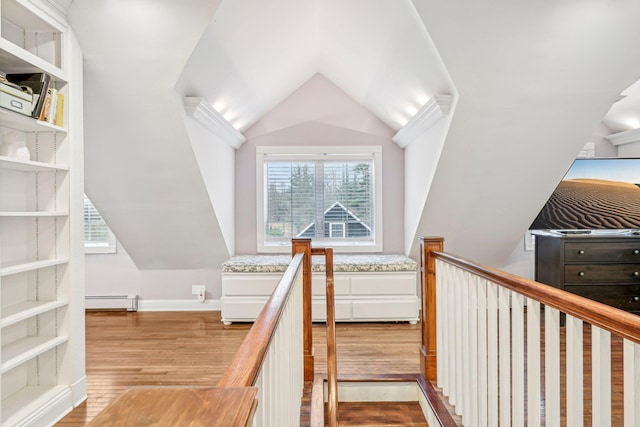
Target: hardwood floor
(194,348)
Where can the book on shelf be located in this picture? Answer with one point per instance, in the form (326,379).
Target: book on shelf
(53,106)
(39,83)
(60,110)
(46,107)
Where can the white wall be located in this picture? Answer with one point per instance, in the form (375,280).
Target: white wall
(319,113)
(603,148)
(421,159)
(116,274)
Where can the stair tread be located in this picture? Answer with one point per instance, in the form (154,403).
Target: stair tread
(380,414)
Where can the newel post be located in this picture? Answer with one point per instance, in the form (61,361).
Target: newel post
(428,351)
(304,245)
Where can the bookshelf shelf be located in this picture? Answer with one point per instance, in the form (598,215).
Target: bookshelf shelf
(23,350)
(27,265)
(41,229)
(24,310)
(23,123)
(15,59)
(29,166)
(33,214)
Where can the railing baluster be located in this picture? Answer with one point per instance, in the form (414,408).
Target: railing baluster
(451,342)
(332,363)
(464,347)
(517,359)
(504,356)
(492,354)
(457,350)
(552,366)
(483,385)
(533,363)
(443,330)
(601,376)
(631,384)
(575,380)
(473,350)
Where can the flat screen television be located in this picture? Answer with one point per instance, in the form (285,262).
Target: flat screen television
(595,194)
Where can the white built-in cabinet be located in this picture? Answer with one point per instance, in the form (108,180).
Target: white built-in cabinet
(359,296)
(42,363)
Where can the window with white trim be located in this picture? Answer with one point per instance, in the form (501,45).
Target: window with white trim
(329,194)
(336,229)
(98,238)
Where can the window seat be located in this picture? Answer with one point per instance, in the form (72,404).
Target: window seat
(341,263)
(378,287)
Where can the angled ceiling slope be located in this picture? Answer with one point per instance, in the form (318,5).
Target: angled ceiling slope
(534,80)
(139,65)
(141,172)
(377,51)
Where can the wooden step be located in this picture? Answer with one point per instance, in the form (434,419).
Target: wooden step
(379,414)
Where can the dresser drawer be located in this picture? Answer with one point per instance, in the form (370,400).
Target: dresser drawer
(590,251)
(601,273)
(624,297)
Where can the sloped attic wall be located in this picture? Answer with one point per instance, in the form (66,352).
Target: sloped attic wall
(320,114)
(141,171)
(534,80)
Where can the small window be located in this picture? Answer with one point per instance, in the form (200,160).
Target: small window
(329,194)
(336,230)
(98,238)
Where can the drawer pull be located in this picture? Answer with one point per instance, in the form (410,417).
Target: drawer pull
(636,251)
(581,252)
(636,298)
(581,273)
(636,274)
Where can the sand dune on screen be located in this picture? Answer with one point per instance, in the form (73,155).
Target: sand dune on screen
(591,204)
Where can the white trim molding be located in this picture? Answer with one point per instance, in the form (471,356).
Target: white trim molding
(178,305)
(626,137)
(210,118)
(433,110)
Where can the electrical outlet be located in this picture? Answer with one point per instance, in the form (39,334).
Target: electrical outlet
(199,291)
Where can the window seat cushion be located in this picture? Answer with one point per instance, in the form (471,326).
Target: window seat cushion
(341,263)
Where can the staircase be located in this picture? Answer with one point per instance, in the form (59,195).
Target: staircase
(381,414)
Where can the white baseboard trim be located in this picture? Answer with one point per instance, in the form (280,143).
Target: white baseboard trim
(178,305)
(79,391)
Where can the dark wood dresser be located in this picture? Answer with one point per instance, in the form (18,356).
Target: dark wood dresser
(604,267)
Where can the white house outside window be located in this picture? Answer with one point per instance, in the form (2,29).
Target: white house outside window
(329,194)
(336,229)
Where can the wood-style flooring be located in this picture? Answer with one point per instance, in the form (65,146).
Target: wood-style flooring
(194,348)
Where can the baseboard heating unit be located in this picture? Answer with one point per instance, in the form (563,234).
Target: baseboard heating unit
(111,302)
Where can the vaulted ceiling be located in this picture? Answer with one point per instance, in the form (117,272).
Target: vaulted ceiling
(531,83)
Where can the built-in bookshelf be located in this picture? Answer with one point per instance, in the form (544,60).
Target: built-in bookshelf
(41,260)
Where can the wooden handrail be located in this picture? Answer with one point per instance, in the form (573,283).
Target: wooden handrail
(621,323)
(245,366)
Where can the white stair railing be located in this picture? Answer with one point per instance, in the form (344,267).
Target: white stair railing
(271,356)
(489,326)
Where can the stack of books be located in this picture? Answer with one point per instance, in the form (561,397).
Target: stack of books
(48,103)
